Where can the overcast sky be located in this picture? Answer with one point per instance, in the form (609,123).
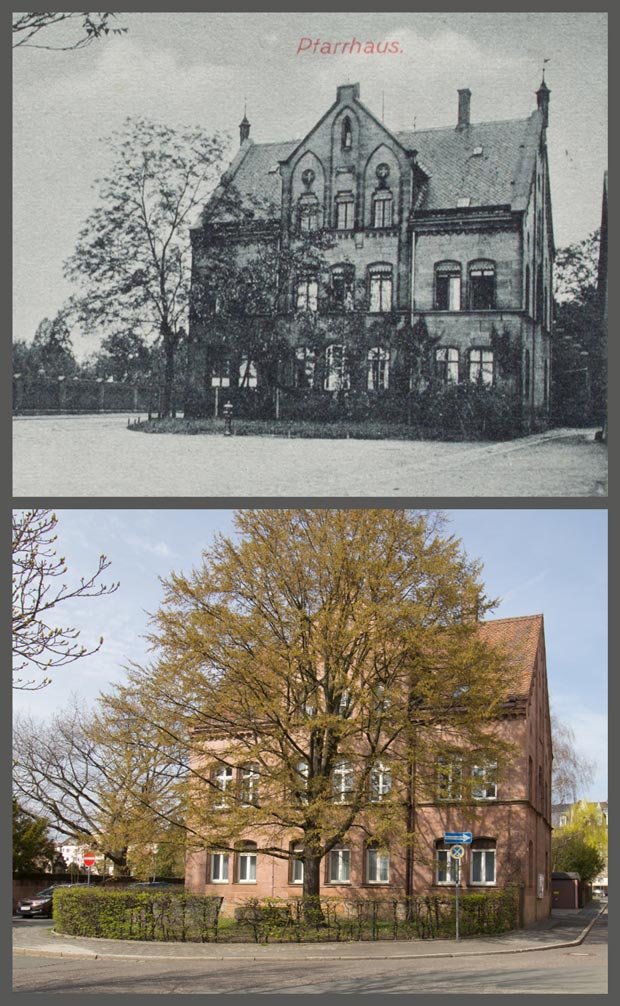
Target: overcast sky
(537,561)
(198,69)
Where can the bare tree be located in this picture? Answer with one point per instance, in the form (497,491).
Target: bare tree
(37,29)
(572,772)
(37,568)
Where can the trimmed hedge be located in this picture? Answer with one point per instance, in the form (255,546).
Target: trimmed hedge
(175,916)
(186,917)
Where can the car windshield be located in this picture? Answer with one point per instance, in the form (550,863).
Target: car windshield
(44,893)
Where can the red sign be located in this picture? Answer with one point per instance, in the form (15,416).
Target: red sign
(89,859)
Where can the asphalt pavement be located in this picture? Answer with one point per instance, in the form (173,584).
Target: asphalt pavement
(563,929)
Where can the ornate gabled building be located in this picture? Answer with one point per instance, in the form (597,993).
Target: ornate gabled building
(432,264)
(506,808)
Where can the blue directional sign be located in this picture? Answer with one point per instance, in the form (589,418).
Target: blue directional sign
(462,837)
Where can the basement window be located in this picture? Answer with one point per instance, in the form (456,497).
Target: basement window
(463,201)
(477,151)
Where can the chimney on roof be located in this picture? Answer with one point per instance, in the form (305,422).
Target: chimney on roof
(244,129)
(542,96)
(347,92)
(464,102)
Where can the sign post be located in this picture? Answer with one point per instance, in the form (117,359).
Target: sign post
(457,852)
(89,861)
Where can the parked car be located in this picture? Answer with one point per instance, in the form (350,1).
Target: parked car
(40,904)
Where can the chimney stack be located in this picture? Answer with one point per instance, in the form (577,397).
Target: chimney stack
(464,100)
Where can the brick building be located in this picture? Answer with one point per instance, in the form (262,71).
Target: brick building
(435,267)
(508,813)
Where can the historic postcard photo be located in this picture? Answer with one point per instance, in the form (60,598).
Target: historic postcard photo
(310,254)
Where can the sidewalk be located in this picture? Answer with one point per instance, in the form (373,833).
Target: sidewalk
(561,930)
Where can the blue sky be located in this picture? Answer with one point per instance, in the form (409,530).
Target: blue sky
(199,69)
(549,561)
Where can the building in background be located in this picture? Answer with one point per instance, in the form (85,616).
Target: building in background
(385,269)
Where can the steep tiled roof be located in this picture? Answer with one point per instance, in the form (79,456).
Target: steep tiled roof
(500,175)
(520,638)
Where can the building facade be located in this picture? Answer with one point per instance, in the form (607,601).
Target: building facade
(428,263)
(508,813)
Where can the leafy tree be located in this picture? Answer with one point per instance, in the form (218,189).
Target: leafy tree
(314,641)
(123,356)
(37,568)
(575,269)
(571,772)
(573,853)
(133,254)
(49,354)
(33,848)
(91,791)
(39,30)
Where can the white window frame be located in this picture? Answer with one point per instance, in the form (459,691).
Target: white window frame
(444,864)
(342,781)
(380,782)
(219,867)
(307,294)
(248,785)
(382,209)
(220,374)
(297,865)
(345,213)
(336,368)
(448,358)
(378,360)
(306,357)
(481,855)
(246,863)
(486,789)
(482,271)
(449,777)
(339,871)
(248,377)
(481,361)
(377,866)
(223,777)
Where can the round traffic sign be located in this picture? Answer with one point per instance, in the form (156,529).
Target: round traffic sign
(457,851)
(89,859)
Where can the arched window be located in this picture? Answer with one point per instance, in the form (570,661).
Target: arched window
(482,861)
(246,863)
(380,287)
(345,211)
(481,285)
(382,208)
(447,364)
(346,134)
(308,212)
(481,366)
(342,286)
(336,368)
(445,866)
(378,368)
(448,286)
(377,864)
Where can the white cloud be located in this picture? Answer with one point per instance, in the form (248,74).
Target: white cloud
(160,548)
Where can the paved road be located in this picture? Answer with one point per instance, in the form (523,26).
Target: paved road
(579,969)
(97,456)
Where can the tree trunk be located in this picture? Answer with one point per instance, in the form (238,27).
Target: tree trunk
(312,912)
(168,389)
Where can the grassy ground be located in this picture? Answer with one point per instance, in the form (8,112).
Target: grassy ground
(340,430)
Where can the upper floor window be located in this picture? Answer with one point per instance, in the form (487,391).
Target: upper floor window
(482,861)
(481,366)
(248,788)
(345,211)
(380,288)
(527,287)
(526,374)
(342,781)
(448,286)
(305,362)
(248,377)
(382,207)
(482,285)
(378,368)
(447,364)
(380,782)
(308,212)
(307,293)
(222,778)
(346,134)
(343,280)
(484,781)
(449,777)
(336,368)
(377,865)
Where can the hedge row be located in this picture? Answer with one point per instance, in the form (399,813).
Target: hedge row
(183,917)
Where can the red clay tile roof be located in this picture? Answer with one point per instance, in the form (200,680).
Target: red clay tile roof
(500,175)
(520,638)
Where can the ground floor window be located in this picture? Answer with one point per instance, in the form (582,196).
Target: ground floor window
(246,866)
(297,865)
(378,368)
(481,365)
(482,862)
(220,374)
(336,368)
(305,361)
(339,871)
(447,364)
(377,866)
(445,866)
(247,373)
(219,867)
